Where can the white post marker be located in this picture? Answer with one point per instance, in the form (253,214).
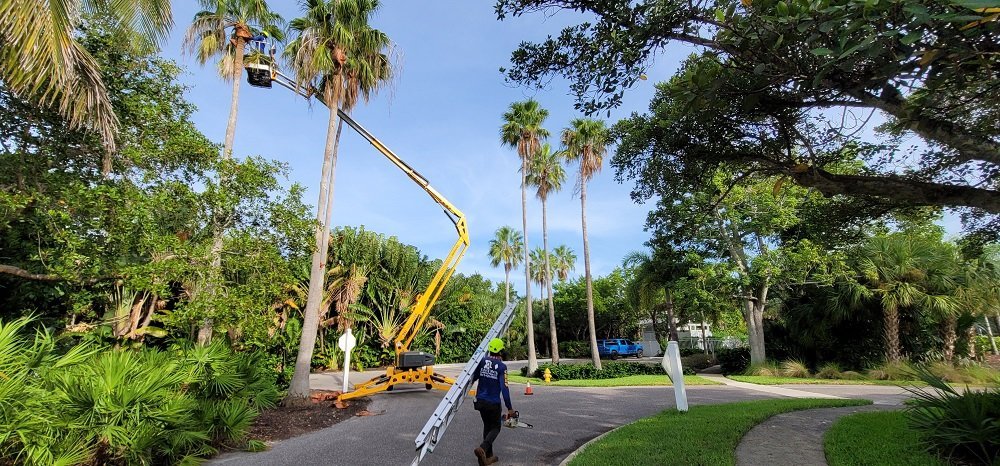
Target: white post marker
(346,344)
(672,364)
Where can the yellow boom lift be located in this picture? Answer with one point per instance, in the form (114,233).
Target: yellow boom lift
(412,367)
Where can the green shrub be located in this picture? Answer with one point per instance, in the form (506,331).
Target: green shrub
(609,370)
(964,427)
(691,351)
(851,375)
(574,349)
(983,345)
(794,368)
(830,370)
(733,360)
(697,362)
(98,405)
(892,371)
(767,369)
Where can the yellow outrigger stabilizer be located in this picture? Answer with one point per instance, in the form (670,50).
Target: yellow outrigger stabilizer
(412,367)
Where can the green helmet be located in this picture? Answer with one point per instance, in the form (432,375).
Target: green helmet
(495,345)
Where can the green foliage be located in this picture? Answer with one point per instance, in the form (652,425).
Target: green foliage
(574,349)
(705,435)
(793,368)
(85,403)
(733,360)
(962,426)
(875,438)
(829,370)
(609,370)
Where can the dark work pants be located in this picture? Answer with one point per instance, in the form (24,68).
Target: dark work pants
(491,424)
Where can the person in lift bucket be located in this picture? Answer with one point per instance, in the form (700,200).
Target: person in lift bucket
(492,376)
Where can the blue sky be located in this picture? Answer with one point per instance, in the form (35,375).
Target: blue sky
(442,115)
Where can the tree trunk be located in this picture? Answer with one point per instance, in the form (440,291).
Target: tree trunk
(506,286)
(704,336)
(548,283)
(595,356)
(652,317)
(205,332)
(532,360)
(989,331)
(950,337)
(671,322)
(298,390)
(227,147)
(891,335)
(970,337)
(755,331)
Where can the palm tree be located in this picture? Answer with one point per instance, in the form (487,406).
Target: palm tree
(564,261)
(41,60)
(585,141)
(507,248)
(538,269)
(644,287)
(238,21)
(338,55)
(547,175)
(522,130)
(894,270)
(206,37)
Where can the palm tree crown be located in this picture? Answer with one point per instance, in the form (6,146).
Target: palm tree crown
(338,53)
(223,24)
(563,261)
(546,172)
(522,128)
(585,141)
(42,61)
(507,248)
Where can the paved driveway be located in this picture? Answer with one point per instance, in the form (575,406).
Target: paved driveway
(564,418)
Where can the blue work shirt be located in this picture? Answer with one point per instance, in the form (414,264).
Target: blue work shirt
(492,376)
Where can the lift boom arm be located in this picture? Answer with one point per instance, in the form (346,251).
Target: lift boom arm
(425,301)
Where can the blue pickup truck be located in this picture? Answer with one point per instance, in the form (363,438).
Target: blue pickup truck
(616,347)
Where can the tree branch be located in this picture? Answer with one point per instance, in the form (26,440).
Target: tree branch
(898,189)
(44,277)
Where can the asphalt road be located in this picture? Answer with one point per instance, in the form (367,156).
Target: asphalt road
(564,418)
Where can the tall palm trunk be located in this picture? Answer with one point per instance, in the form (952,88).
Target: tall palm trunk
(298,390)
(219,227)
(506,285)
(891,334)
(532,360)
(548,283)
(227,147)
(591,327)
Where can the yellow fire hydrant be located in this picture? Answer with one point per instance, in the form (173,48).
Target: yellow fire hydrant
(548,375)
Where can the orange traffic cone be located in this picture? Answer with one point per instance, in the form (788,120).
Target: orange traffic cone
(527,389)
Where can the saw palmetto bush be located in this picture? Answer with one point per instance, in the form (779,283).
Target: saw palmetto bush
(962,426)
(99,405)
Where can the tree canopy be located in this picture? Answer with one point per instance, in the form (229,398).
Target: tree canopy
(790,89)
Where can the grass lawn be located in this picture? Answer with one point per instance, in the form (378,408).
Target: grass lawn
(875,439)
(705,435)
(765,380)
(628,381)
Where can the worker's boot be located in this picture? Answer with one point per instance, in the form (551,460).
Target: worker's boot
(492,459)
(481,456)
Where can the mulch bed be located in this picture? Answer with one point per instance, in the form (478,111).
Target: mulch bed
(286,422)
